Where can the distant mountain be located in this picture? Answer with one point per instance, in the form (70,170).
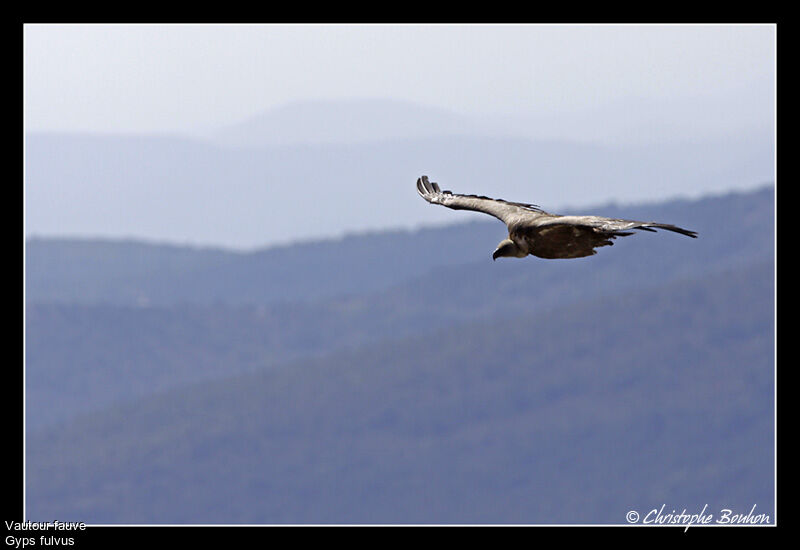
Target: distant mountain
(656,397)
(348,122)
(734,228)
(111,322)
(749,111)
(402,376)
(194,192)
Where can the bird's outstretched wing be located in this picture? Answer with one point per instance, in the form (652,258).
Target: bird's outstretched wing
(509,212)
(613,226)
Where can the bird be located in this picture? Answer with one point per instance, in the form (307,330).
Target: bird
(532,231)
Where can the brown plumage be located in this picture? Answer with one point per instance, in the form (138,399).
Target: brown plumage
(533,231)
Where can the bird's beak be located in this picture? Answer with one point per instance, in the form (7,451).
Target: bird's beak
(495,254)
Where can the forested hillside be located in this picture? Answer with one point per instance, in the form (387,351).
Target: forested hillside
(405,377)
(657,397)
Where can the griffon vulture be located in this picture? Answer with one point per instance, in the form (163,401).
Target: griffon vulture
(531,230)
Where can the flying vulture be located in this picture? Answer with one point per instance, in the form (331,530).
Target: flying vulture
(531,230)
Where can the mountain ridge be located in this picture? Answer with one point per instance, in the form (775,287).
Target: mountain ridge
(405,377)
(138,313)
(490,425)
(135,273)
(375,119)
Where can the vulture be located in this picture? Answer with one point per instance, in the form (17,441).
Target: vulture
(532,231)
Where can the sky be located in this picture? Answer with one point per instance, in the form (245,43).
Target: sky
(184,78)
(601,113)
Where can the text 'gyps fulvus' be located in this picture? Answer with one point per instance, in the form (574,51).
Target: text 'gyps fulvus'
(531,230)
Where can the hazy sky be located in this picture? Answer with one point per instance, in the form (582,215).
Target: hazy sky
(600,113)
(134,78)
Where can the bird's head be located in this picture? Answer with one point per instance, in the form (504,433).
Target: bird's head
(508,248)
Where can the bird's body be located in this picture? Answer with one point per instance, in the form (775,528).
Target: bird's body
(532,231)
